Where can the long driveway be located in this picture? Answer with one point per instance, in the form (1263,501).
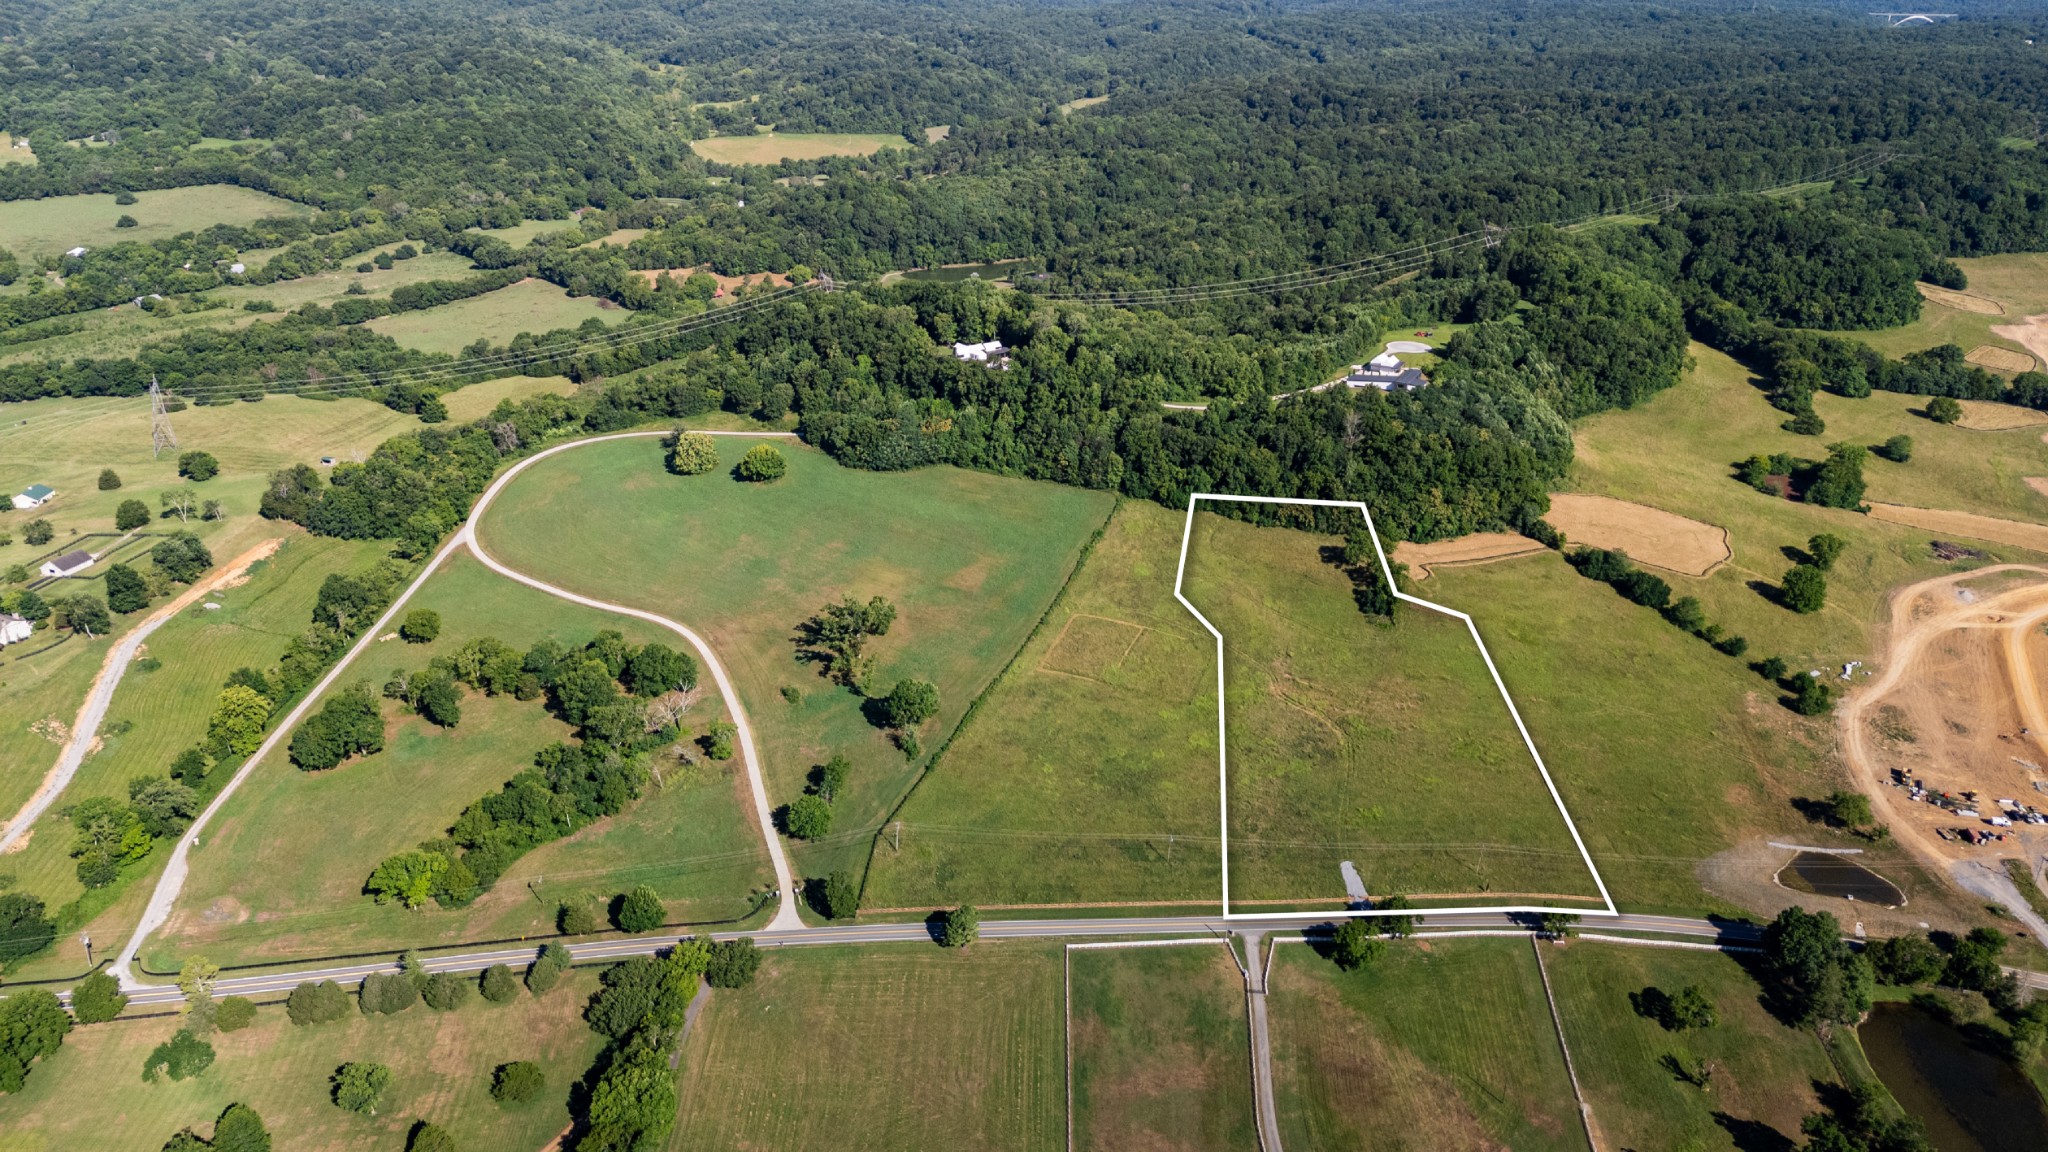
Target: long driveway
(178,867)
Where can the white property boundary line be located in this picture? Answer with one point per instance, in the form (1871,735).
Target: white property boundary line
(1222,734)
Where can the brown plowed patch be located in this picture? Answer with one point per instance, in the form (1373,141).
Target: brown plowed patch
(2038,484)
(1478,548)
(1991,416)
(1649,535)
(2000,359)
(1962,301)
(2030,333)
(2018,533)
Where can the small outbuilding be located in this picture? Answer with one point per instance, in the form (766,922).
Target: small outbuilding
(983,352)
(69,564)
(34,496)
(14,629)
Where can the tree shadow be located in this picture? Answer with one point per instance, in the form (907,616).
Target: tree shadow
(1754,1135)
(935,926)
(1769,591)
(1796,555)
(1816,811)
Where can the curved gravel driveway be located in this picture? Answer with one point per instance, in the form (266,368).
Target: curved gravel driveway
(172,882)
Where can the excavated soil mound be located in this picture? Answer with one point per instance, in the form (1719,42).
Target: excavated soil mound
(1478,548)
(1649,535)
(1962,301)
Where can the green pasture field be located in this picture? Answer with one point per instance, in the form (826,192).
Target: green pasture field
(1089,772)
(9,154)
(121,331)
(48,227)
(1441,1045)
(280,873)
(2020,282)
(528,306)
(166,711)
(1764,1072)
(1161,1049)
(970,561)
(331,286)
(475,401)
(221,143)
(884,1046)
(521,234)
(1351,740)
(775,147)
(441,1065)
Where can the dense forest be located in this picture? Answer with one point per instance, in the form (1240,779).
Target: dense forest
(1224,143)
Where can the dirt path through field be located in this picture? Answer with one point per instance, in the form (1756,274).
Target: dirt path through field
(85,732)
(1925,620)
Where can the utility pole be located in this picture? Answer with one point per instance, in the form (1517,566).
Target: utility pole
(160,434)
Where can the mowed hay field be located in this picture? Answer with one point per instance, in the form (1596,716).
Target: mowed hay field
(2017,283)
(165,711)
(889,1046)
(1352,740)
(775,147)
(1764,1072)
(475,401)
(281,871)
(1089,772)
(528,306)
(118,331)
(969,560)
(332,285)
(1440,1046)
(52,226)
(1161,1049)
(441,1064)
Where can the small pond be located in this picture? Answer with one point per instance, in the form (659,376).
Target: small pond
(993,270)
(1971,1098)
(1826,874)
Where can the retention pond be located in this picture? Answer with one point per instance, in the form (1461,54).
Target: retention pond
(1827,874)
(1970,1097)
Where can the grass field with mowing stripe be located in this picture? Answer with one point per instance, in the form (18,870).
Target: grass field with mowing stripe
(1097,745)
(281,872)
(889,1046)
(1162,1052)
(775,147)
(970,561)
(1349,739)
(56,224)
(528,306)
(1440,1046)
(2019,281)
(1763,1075)
(441,1064)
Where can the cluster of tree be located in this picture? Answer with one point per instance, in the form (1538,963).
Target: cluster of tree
(1690,1008)
(177,559)
(1361,941)
(641,1006)
(33,1025)
(110,834)
(1810,974)
(809,816)
(25,927)
(348,724)
(1613,567)
(237,1129)
(1835,482)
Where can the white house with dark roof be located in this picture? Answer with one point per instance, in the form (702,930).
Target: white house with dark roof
(69,564)
(1386,373)
(34,496)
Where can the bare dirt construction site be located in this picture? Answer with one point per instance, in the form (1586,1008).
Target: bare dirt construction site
(1961,301)
(1649,535)
(1955,722)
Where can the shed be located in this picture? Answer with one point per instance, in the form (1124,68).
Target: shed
(34,496)
(983,352)
(69,564)
(14,629)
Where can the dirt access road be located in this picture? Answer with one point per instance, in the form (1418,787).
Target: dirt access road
(1958,704)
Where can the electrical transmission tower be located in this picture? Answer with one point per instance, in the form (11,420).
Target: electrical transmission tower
(160,434)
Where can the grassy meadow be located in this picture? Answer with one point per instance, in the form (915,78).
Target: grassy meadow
(528,306)
(51,226)
(119,331)
(332,285)
(1440,1046)
(775,147)
(2020,282)
(1161,1049)
(475,401)
(256,893)
(883,1046)
(1096,746)
(970,561)
(1764,1072)
(441,1065)
(1352,740)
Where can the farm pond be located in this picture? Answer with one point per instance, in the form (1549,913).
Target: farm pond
(1970,1097)
(1827,874)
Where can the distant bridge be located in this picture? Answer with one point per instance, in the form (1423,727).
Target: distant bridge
(1895,19)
